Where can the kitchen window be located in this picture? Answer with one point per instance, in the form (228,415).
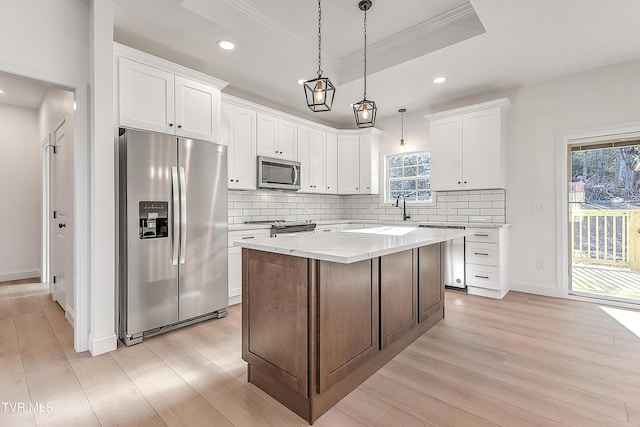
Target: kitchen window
(408,174)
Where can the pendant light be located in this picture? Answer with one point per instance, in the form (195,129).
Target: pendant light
(402,143)
(319,91)
(365,110)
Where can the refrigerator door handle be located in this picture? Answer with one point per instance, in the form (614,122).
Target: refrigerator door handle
(183,216)
(175,191)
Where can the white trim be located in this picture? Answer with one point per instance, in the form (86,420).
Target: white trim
(600,301)
(384,176)
(103,344)
(69,314)
(46,208)
(532,288)
(27,273)
(564,139)
(163,64)
(82,221)
(235,300)
(503,103)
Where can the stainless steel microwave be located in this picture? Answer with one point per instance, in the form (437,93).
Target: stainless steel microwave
(278,174)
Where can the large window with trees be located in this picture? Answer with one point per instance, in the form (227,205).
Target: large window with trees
(408,174)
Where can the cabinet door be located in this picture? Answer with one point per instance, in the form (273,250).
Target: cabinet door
(482,166)
(304,157)
(331,159)
(398,294)
(267,136)
(317,161)
(446,153)
(197,110)
(348,165)
(244,149)
(146,97)
(430,281)
(288,140)
(369,165)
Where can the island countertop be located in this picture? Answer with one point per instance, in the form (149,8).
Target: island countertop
(351,246)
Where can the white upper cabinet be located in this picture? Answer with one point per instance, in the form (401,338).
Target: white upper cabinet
(146,97)
(312,158)
(331,160)
(348,164)
(468,147)
(238,131)
(196,108)
(277,137)
(160,96)
(369,163)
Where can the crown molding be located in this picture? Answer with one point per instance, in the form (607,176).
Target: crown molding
(405,36)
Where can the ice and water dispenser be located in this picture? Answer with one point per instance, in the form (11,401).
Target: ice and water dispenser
(153,219)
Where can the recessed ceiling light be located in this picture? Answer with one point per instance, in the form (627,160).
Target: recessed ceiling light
(439,79)
(302,81)
(226,45)
(1,91)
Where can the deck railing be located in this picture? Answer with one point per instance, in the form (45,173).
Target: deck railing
(601,237)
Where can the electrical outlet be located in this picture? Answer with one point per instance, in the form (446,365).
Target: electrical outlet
(537,207)
(539,265)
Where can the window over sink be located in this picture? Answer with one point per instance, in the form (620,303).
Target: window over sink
(408,174)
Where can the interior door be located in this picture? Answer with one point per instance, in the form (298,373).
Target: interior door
(203,235)
(58,224)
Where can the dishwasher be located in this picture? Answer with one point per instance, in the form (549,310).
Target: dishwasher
(453,252)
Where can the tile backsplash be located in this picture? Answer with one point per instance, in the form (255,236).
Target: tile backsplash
(487,206)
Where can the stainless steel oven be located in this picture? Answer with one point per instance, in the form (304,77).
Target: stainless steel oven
(278,174)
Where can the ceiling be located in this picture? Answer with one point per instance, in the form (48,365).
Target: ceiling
(21,92)
(479,45)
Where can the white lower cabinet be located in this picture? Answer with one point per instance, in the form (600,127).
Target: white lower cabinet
(486,262)
(235,261)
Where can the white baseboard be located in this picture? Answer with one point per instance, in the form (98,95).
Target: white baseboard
(235,300)
(70,315)
(105,344)
(531,288)
(34,273)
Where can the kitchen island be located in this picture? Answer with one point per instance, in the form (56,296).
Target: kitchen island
(322,313)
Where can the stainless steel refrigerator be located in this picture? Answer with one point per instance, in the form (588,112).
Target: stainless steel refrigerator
(172,233)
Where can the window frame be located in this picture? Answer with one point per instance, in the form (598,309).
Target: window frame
(385,179)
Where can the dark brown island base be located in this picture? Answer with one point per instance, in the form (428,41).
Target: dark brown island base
(313,330)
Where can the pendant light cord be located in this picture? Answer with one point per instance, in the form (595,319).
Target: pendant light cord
(402,136)
(319,39)
(365,54)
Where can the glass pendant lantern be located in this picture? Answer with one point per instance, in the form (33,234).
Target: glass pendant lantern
(365,110)
(319,91)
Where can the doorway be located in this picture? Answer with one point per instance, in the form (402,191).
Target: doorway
(604,220)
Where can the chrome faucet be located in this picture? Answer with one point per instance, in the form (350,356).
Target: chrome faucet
(404,205)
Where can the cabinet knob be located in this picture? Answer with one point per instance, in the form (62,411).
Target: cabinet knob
(179,126)
(170,124)
(231,180)
(367,188)
(459,182)
(237,180)
(465,182)
(357,188)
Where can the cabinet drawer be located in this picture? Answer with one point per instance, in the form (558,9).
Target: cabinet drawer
(483,276)
(247,235)
(327,228)
(486,235)
(482,253)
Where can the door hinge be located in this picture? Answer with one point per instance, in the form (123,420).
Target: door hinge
(54,280)
(55,214)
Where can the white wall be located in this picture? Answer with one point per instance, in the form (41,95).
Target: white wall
(50,41)
(539,112)
(20,193)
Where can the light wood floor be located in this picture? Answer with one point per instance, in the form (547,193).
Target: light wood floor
(526,360)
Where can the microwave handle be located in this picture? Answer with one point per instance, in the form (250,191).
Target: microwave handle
(295,174)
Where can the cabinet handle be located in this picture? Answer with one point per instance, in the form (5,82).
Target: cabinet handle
(170,124)
(459,182)
(237,180)
(231,180)
(248,237)
(480,253)
(357,188)
(480,277)
(179,126)
(367,188)
(481,235)
(324,231)
(465,182)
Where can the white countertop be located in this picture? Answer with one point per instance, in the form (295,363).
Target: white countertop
(242,227)
(354,245)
